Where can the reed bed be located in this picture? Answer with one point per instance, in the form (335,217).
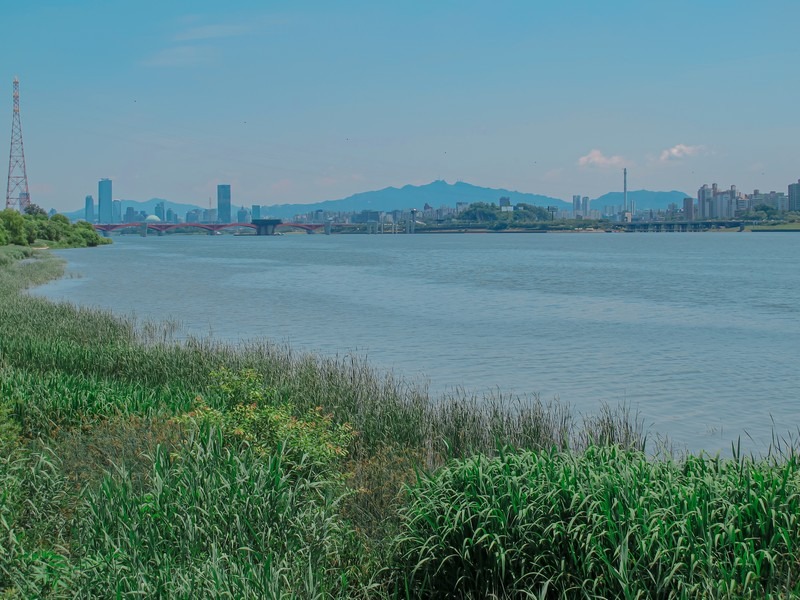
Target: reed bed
(135,466)
(606,522)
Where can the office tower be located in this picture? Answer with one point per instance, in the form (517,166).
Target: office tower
(116,211)
(256,212)
(243,215)
(104,207)
(161,211)
(688,209)
(576,205)
(224,203)
(794,196)
(88,212)
(585,206)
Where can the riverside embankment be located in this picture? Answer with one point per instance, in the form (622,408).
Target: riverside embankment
(136,465)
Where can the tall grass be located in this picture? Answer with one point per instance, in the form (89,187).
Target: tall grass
(606,523)
(216,521)
(131,467)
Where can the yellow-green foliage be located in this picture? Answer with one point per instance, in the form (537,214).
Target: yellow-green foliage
(255,414)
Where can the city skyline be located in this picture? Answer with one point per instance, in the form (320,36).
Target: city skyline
(303,104)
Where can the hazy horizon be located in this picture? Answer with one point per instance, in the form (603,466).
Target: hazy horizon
(301,104)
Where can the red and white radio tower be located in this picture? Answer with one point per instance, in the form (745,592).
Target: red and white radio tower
(17,195)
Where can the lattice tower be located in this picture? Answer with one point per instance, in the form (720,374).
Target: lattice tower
(17,195)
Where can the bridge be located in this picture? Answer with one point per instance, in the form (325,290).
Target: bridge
(261,226)
(659,226)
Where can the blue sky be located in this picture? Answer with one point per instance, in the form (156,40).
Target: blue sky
(309,101)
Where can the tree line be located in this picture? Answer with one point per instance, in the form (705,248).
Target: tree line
(34,226)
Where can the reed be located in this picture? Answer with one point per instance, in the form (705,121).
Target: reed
(607,522)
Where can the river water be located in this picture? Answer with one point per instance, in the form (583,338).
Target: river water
(698,332)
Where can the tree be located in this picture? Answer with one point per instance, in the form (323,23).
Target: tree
(529,212)
(480,212)
(14,224)
(34,210)
(31,231)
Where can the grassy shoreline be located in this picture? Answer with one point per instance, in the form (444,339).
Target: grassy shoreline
(132,465)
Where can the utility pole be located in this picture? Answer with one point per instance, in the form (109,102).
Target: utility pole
(17,195)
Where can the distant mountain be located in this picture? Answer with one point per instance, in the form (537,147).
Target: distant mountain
(436,194)
(642,199)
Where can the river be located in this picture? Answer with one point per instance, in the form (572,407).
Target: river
(699,332)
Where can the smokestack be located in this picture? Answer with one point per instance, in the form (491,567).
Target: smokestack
(625,190)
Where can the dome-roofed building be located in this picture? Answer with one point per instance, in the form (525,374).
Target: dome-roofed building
(152,219)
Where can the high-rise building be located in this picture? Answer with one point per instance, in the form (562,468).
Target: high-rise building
(688,209)
(161,211)
(585,206)
(576,205)
(256,211)
(224,203)
(705,202)
(116,211)
(105,211)
(88,212)
(794,196)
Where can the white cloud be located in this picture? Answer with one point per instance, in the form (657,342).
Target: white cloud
(595,158)
(679,151)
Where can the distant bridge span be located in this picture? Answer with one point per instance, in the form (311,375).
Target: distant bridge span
(212,228)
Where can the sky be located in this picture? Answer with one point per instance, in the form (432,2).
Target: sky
(304,101)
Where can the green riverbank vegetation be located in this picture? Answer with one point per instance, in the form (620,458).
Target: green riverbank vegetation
(35,227)
(132,465)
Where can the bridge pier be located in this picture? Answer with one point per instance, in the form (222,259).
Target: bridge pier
(266,226)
